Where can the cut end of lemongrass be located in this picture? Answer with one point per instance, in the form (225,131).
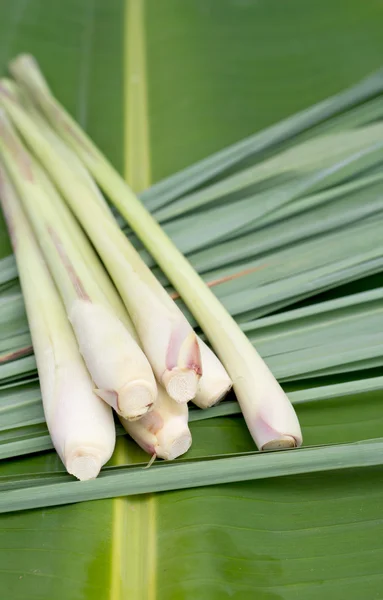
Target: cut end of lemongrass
(215,382)
(268,437)
(207,400)
(181,384)
(118,366)
(133,401)
(282,443)
(84,465)
(136,399)
(163,432)
(269,414)
(179,446)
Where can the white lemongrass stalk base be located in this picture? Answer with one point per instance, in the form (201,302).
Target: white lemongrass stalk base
(215,382)
(80,424)
(84,464)
(164,432)
(268,413)
(180,440)
(121,371)
(283,442)
(181,385)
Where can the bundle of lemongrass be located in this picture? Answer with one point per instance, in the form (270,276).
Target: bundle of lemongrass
(126,343)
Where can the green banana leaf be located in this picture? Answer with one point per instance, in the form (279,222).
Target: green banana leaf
(213,72)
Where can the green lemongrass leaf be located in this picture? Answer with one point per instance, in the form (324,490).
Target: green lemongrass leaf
(320,251)
(373,361)
(17,369)
(318,153)
(15,346)
(165,191)
(134,480)
(363,184)
(362,114)
(289,232)
(315,394)
(222,222)
(329,358)
(274,296)
(13,319)
(8,270)
(350,305)
(333,215)
(293,222)
(26,440)
(21,406)
(257,290)
(351,317)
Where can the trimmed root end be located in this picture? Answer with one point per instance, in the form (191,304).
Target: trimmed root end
(84,466)
(181,384)
(135,400)
(284,442)
(204,400)
(178,447)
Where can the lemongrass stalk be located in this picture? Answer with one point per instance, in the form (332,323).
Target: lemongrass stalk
(163,432)
(84,246)
(167,338)
(115,361)
(80,424)
(215,382)
(64,213)
(267,410)
(55,140)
